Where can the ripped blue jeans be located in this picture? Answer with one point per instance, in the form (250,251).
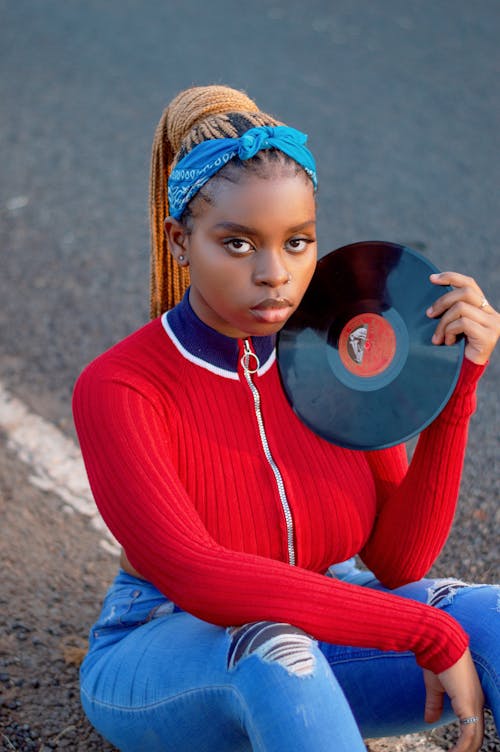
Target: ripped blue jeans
(158,679)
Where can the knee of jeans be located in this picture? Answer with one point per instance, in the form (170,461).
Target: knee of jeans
(281,644)
(442,592)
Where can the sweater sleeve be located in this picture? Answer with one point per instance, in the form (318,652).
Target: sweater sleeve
(124,437)
(417,504)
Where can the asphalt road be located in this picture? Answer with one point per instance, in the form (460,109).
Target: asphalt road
(399,100)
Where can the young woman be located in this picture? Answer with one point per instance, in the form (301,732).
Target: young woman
(238,620)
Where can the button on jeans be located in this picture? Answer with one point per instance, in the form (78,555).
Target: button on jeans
(156,678)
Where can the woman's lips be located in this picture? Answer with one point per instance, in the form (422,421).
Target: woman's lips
(272,310)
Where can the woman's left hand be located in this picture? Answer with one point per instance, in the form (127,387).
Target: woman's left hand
(465,310)
(461,684)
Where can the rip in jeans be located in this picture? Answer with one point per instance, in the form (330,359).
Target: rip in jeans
(284,644)
(442,592)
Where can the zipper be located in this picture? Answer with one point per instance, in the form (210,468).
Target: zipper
(248,359)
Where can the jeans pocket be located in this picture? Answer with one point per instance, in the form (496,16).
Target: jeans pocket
(126,607)
(123,608)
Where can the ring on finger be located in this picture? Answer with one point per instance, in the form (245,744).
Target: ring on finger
(483,303)
(470,719)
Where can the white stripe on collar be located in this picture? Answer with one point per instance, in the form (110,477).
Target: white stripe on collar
(264,368)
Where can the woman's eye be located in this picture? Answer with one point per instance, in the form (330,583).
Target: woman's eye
(238,246)
(299,244)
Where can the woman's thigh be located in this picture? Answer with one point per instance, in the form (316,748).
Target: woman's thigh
(162,688)
(385,689)
(154,677)
(477,608)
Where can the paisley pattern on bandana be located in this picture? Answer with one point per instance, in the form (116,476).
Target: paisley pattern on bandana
(206,159)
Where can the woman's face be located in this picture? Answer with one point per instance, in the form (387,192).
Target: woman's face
(251,253)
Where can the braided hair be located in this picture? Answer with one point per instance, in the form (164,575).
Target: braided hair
(193,116)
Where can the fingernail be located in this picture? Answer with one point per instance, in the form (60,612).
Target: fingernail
(435,339)
(434,276)
(430,311)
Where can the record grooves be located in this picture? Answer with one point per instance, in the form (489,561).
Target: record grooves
(356,359)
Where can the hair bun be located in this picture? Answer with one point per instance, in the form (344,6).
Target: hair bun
(193,105)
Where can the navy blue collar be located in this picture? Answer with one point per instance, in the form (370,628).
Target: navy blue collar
(208,347)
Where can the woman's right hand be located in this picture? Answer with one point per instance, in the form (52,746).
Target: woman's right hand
(461,684)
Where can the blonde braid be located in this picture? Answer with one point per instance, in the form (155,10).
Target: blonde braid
(167,278)
(193,116)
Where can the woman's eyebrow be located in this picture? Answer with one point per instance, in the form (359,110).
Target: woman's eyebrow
(235,227)
(303,225)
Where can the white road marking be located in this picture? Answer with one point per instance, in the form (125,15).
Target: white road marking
(55,461)
(17,202)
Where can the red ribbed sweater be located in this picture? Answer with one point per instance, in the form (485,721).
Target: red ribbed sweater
(178,470)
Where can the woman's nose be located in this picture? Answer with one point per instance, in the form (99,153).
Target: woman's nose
(271,270)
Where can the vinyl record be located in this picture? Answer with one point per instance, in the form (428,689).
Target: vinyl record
(356,358)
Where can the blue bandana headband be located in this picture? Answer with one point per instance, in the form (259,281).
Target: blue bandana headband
(207,158)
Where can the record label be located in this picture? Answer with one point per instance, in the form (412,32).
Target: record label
(367,345)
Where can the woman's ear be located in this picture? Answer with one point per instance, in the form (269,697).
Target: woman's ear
(178,240)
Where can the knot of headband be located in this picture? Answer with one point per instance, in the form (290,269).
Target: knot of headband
(207,158)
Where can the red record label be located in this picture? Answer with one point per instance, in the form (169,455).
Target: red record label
(367,344)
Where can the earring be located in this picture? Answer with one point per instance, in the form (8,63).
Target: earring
(181,258)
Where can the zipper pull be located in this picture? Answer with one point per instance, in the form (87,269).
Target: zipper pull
(246,358)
